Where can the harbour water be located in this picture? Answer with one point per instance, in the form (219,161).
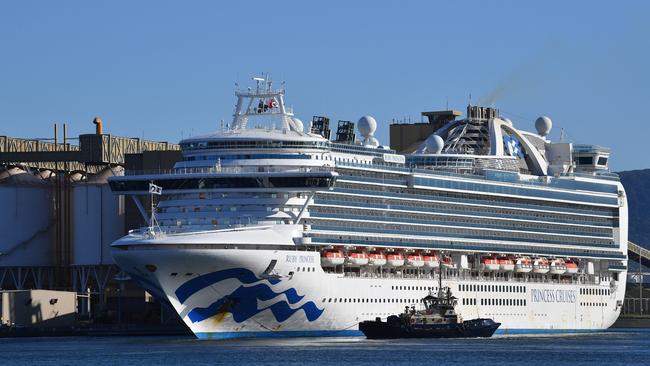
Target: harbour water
(609,348)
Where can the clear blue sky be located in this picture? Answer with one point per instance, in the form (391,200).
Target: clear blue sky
(167,69)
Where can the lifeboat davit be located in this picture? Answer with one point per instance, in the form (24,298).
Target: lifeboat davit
(540,265)
(523,265)
(447,262)
(571,267)
(506,264)
(395,259)
(332,258)
(414,260)
(558,267)
(357,258)
(489,264)
(431,260)
(376,259)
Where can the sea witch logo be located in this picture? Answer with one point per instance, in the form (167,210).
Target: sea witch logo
(242,303)
(547,295)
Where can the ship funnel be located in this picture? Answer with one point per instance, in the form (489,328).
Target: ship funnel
(482,113)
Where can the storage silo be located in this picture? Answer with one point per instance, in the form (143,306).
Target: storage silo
(26,220)
(97,219)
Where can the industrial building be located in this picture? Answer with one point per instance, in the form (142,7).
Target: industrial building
(58,215)
(39,308)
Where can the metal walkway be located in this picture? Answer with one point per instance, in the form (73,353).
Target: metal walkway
(635,251)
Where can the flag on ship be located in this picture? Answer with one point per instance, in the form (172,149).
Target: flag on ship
(154,189)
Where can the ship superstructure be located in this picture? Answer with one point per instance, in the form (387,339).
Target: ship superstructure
(268,228)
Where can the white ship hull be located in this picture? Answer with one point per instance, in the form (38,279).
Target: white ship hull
(264,231)
(224,293)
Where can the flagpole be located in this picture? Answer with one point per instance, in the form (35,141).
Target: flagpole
(153,190)
(151,218)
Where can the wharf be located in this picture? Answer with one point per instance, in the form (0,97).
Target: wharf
(632,321)
(107,330)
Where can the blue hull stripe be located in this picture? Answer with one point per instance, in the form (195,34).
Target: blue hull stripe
(548,331)
(280,334)
(358,333)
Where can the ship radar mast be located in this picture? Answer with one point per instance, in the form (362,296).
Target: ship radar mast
(263,103)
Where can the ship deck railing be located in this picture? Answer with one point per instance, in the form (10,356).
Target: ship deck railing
(226,170)
(480,174)
(464,276)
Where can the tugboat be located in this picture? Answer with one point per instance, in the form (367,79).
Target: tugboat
(437,320)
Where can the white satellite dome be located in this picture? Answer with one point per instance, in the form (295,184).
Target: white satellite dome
(371,141)
(507,120)
(543,125)
(299,125)
(367,126)
(434,144)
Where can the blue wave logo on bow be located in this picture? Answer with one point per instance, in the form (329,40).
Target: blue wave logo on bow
(242,303)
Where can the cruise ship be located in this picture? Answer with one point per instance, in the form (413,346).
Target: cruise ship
(268,227)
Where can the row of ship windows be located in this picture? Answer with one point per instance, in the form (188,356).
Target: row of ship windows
(384,178)
(435,207)
(496,302)
(601,304)
(426,210)
(414,288)
(462,233)
(472,198)
(502,189)
(492,288)
(594,291)
(274,156)
(241,144)
(178,220)
(472,222)
(499,175)
(370,176)
(217,195)
(466,301)
(370,300)
(222,182)
(460,206)
(460,221)
(306,269)
(248,156)
(224,208)
(490,175)
(275,144)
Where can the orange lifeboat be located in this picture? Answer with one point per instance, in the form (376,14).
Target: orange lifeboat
(489,264)
(523,265)
(571,266)
(395,259)
(357,258)
(431,260)
(540,265)
(376,259)
(558,267)
(414,260)
(506,264)
(332,258)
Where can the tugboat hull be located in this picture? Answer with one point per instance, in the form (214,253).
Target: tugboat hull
(393,329)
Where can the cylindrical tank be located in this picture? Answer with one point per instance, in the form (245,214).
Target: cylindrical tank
(46,174)
(26,222)
(10,172)
(97,219)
